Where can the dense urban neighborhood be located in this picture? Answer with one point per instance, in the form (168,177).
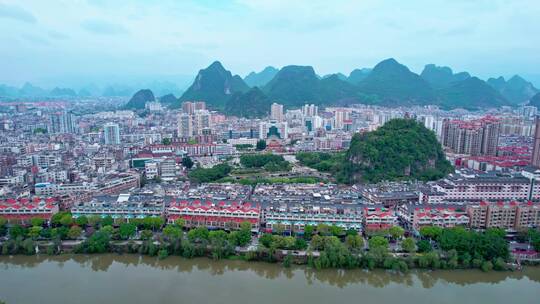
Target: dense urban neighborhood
(345,187)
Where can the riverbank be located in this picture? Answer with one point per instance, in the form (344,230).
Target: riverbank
(111,278)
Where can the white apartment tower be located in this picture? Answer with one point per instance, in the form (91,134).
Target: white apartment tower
(276,112)
(112,133)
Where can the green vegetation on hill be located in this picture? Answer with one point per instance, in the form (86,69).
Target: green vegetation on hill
(394,84)
(401,149)
(139,100)
(169,100)
(517,90)
(358,75)
(535,101)
(440,77)
(294,85)
(251,104)
(214,85)
(471,93)
(389,83)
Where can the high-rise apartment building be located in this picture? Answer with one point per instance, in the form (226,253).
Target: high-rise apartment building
(185,125)
(111,133)
(535,161)
(193,124)
(202,119)
(310,110)
(189,107)
(61,122)
(473,137)
(276,112)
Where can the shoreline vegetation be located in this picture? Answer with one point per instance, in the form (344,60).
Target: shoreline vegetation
(318,247)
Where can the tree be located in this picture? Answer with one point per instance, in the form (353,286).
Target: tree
(396,232)
(146,235)
(153,222)
(180,223)
(94,220)
(261,145)
(354,242)
(15,231)
(66,220)
(336,230)
(266,240)
(172,232)
(166,141)
(107,221)
(378,242)
(34,232)
(308,232)
(408,245)
(127,230)
(187,162)
(81,221)
(430,232)
(534,237)
(55,219)
(424,246)
(323,229)
(244,234)
(97,243)
(486,266)
(74,232)
(37,221)
(107,229)
(317,242)
(198,234)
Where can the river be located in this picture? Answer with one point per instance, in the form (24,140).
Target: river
(132,279)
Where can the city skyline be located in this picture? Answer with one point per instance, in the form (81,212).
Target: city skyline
(131,39)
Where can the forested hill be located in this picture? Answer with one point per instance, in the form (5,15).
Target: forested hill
(401,149)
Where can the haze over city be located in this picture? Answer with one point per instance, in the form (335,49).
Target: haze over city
(72,43)
(269,152)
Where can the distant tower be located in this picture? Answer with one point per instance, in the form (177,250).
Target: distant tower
(536,148)
(112,134)
(276,112)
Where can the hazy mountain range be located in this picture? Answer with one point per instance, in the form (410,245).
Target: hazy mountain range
(389,83)
(122,89)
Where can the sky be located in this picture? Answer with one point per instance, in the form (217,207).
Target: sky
(61,42)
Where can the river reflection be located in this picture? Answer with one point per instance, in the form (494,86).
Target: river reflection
(142,272)
(339,278)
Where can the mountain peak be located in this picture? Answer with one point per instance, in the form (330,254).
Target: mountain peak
(216,65)
(139,99)
(214,85)
(262,78)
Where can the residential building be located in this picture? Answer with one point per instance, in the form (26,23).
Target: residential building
(276,112)
(214,215)
(111,134)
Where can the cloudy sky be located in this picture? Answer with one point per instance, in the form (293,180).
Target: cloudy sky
(74,39)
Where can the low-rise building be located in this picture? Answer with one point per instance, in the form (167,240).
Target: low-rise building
(379,217)
(214,215)
(296,219)
(24,209)
(123,206)
(414,216)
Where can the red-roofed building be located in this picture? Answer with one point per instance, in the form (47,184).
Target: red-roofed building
(23,209)
(376,218)
(224,215)
(445,216)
